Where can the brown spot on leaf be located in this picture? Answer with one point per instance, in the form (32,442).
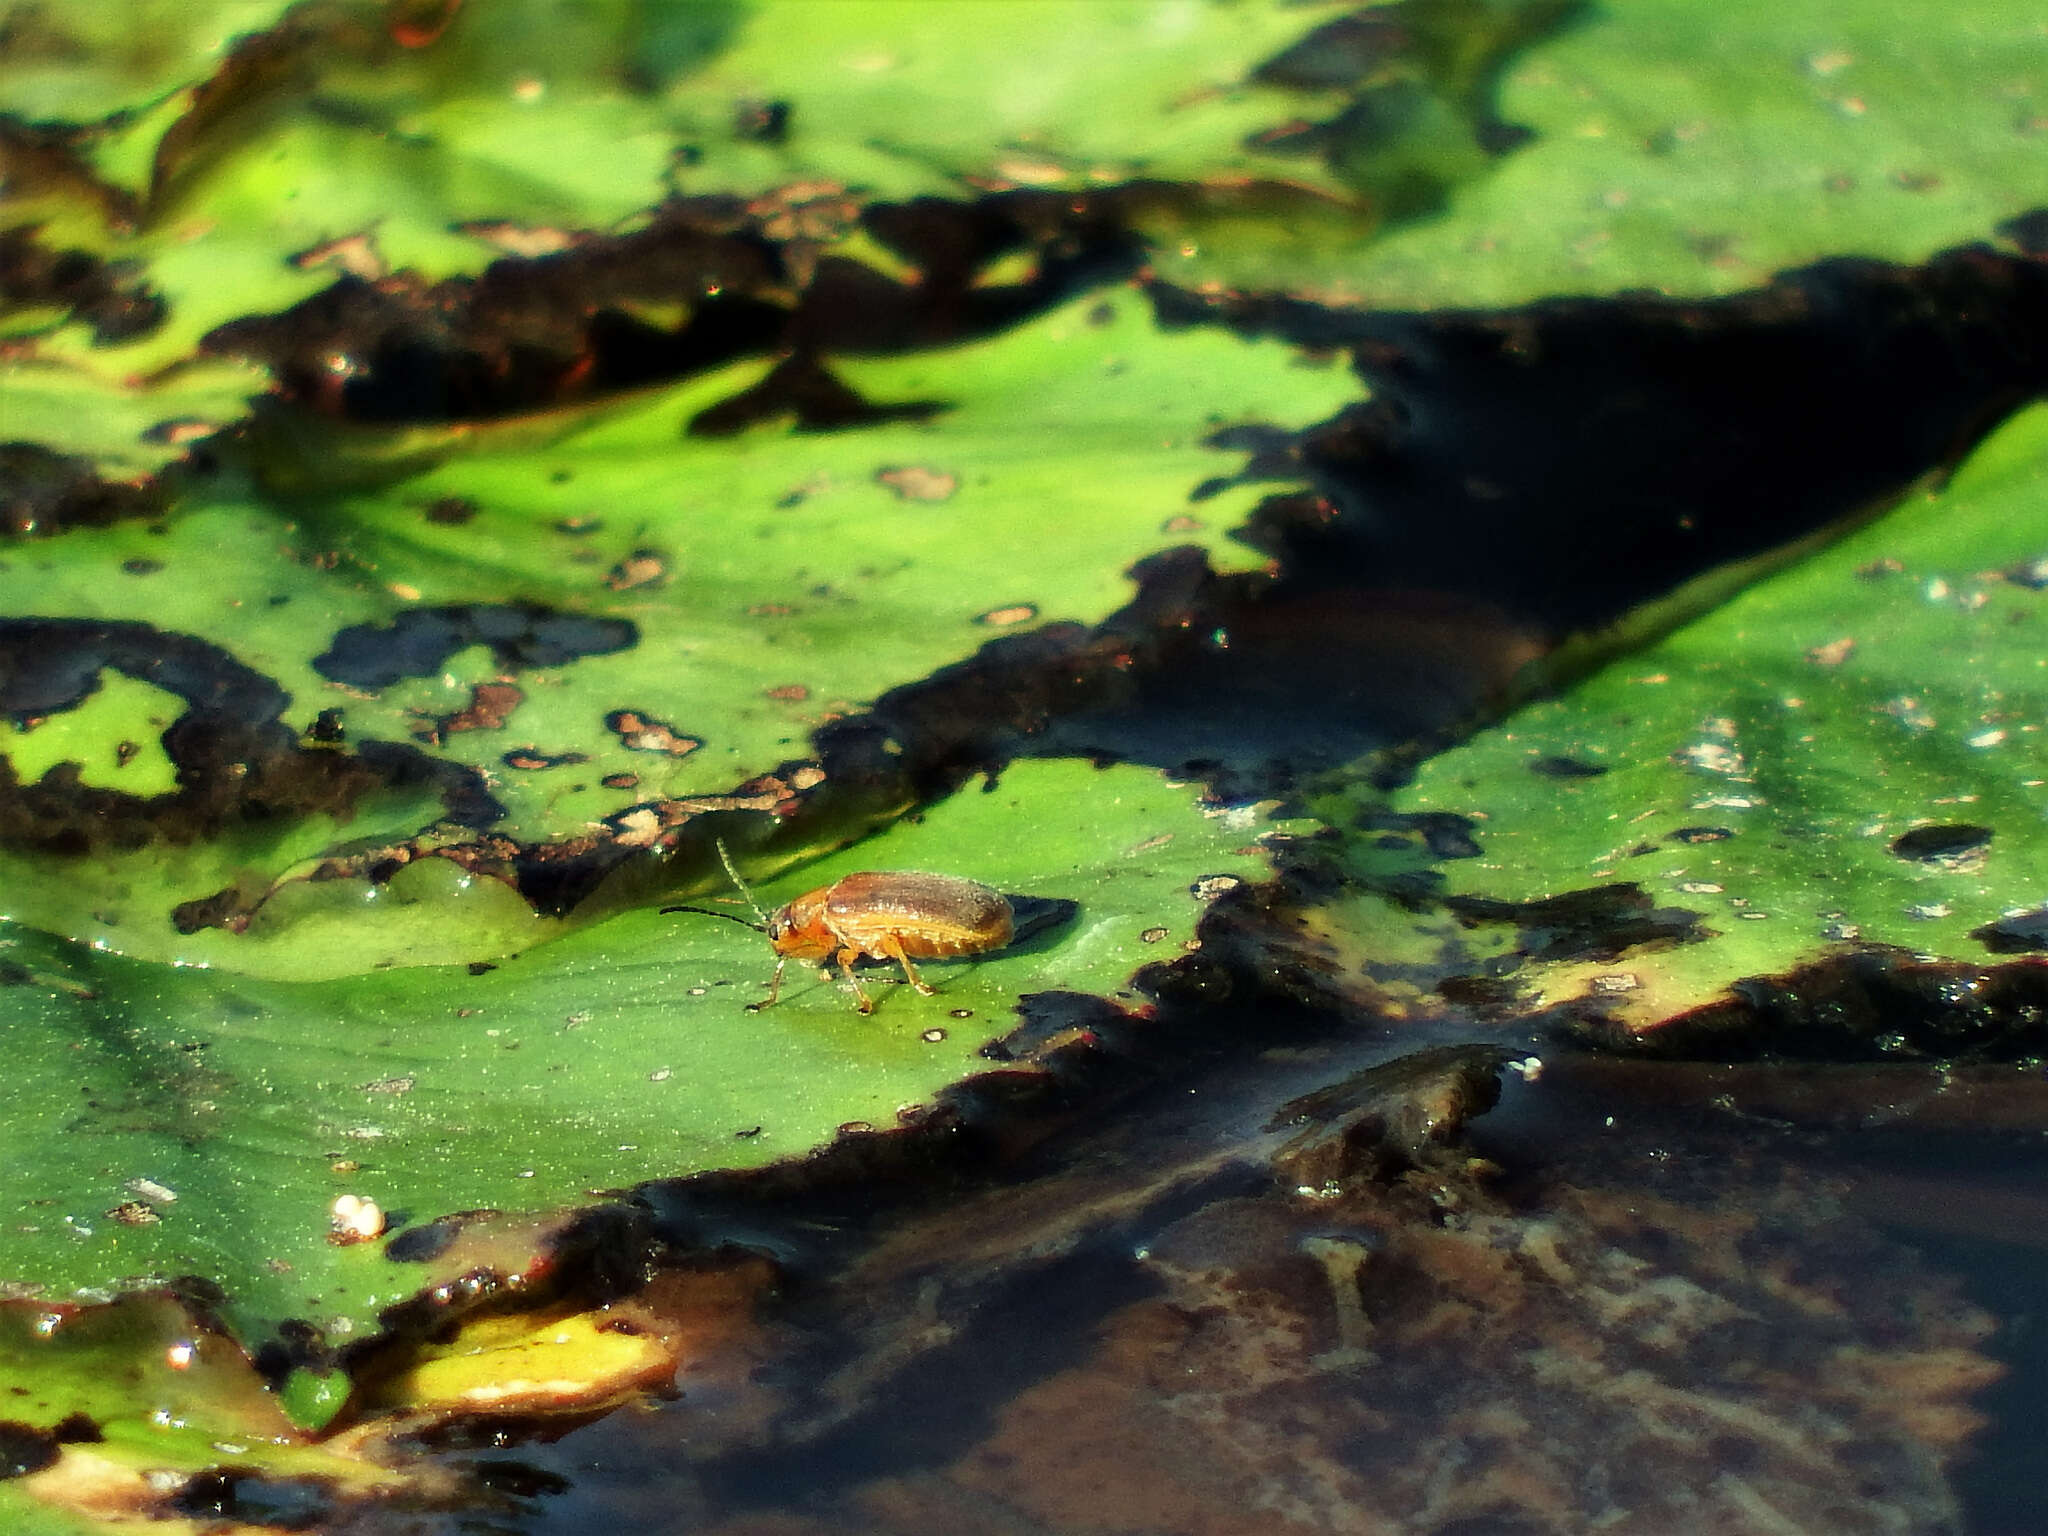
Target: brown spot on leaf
(529,240)
(490,705)
(355,254)
(1833,654)
(918,482)
(644,733)
(642,568)
(181,430)
(789,693)
(533,760)
(620,781)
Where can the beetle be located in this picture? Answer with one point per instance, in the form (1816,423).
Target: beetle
(902,916)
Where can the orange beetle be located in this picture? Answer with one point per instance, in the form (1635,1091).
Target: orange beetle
(888,917)
(901,916)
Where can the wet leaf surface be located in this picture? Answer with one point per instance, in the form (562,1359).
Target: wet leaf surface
(1822,768)
(464,466)
(595,1059)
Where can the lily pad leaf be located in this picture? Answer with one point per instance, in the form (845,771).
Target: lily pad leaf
(185,1122)
(575,630)
(1843,759)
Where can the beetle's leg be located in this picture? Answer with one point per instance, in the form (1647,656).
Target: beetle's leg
(774,984)
(892,947)
(846,957)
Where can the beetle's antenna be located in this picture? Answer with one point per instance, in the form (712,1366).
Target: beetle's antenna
(730,917)
(726,859)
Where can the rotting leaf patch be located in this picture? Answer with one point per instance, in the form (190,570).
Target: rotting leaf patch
(235,758)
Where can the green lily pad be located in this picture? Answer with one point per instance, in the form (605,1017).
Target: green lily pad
(1692,150)
(1847,754)
(168,1122)
(123,429)
(711,601)
(133,1390)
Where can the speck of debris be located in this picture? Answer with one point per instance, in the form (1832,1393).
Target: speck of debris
(1878,568)
(855,1128)
(479,967)
(749,1132)
(1710,757)
(1182,524)
(135,1213)
(660,1075)
(932,1036)
(1209,887)
(575,527)
(142,566)
(918,482)
(1003,618)
(390,1085)
(1834,653)
(1566,768)
(2031,574)
(1152,935)
(353,1219)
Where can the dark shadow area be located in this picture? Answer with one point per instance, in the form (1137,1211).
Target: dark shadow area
(1575,458)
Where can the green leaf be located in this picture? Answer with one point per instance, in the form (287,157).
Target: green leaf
(1696,149)
(769,582)
(168,1122)
(1847,753)
(123,429)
